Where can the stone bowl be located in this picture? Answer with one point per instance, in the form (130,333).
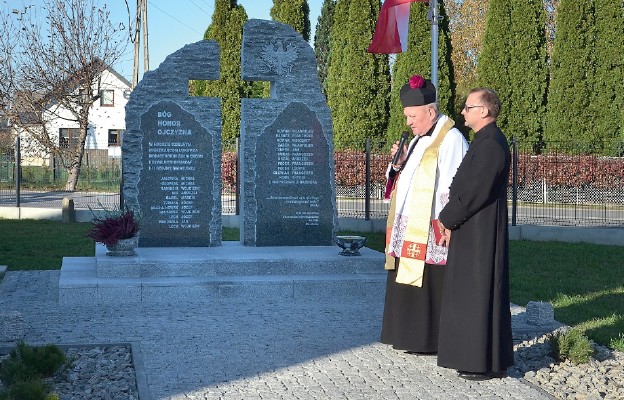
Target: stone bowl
(350,245)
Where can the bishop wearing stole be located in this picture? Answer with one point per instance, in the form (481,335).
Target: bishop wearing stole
(421,181)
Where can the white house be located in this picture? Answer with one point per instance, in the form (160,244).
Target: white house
(106,117)
(106,123)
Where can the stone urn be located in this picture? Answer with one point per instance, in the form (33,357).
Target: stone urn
(123,247)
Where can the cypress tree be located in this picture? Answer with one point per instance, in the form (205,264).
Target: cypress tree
(226,29)
(365,78)
(295,13)
(322,38)
(527,71)
(607,96)
(417,60)
(339,39)
(233,87)
(495,57)
(568,117)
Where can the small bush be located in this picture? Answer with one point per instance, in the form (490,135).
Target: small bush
(28,390)
(572,345)
(617,343)
(22,372)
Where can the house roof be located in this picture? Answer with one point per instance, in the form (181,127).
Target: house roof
(119,76)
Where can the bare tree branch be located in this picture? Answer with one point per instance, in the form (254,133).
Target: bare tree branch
(52,57)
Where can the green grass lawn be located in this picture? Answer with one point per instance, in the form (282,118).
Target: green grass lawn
(584,282)
(40,244)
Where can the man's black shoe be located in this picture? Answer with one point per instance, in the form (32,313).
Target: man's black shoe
(422,353)
(472,376)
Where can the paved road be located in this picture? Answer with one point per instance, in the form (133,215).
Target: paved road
(570,214)
(249,349)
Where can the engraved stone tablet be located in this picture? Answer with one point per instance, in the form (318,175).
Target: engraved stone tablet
(172,152)
(174,190)
(287,168)
(291,158)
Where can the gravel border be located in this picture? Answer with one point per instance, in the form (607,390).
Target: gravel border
(111,371)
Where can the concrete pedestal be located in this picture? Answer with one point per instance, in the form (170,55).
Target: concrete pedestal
(188,274)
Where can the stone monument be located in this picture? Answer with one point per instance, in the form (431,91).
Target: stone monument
(172,152)
(172,148)
(172,177)
(287,165)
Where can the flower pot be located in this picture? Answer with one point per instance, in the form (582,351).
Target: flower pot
(123,247)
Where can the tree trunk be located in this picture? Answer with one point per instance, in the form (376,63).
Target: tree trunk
(73,169)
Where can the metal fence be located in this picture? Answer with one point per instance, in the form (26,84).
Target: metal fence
(558,186)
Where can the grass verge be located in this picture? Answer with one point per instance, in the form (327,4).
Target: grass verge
(584,282)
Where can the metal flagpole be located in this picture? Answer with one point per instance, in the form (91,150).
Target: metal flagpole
(434,16)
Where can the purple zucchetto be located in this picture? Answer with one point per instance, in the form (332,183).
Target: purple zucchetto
(417,92)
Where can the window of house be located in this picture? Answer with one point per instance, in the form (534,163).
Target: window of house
(107,98)
(69,138)
(114,137)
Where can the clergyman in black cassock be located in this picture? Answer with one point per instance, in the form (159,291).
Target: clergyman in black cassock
(475,318)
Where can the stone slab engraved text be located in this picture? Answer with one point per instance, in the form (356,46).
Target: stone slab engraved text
(175,151)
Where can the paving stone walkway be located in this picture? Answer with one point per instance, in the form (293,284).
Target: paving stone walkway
(248,349)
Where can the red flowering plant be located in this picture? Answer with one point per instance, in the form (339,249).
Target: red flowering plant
(113,226)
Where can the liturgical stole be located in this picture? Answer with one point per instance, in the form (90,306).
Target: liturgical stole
(414,249)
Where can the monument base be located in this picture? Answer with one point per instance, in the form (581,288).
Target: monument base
(189,274)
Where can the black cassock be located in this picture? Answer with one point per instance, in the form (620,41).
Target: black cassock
(412,314)
(475,320)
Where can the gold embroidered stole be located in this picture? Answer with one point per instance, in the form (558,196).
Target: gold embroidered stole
(389,222)
(414,249)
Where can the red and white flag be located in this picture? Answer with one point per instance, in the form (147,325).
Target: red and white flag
(391,31)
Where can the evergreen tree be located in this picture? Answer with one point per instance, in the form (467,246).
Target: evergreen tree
(495,58)
(607,95)
(295,13)
(226,29)
(417,60)
(233,88)
(339,39)
(568,116)
(322,38)
(365,80)
(527,71)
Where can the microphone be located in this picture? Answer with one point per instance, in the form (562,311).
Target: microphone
(399,151)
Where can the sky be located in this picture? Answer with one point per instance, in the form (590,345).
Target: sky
(172,24)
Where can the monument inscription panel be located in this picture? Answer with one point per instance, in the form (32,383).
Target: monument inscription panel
(287,165)
(176,179)
(292,165)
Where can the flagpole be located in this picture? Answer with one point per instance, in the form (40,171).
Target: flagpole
(433,14)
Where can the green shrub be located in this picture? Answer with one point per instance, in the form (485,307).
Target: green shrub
(617,343)
(28,363)
(28,390)
(13,370)
(571,345)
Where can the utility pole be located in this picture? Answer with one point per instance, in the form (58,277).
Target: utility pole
(145,41)
(141,14)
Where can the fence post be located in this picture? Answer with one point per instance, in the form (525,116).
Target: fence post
(18,170)
(237,185)
(367,183)
(121,184)
(514,182)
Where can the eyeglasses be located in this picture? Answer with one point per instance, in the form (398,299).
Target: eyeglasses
(468,108)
